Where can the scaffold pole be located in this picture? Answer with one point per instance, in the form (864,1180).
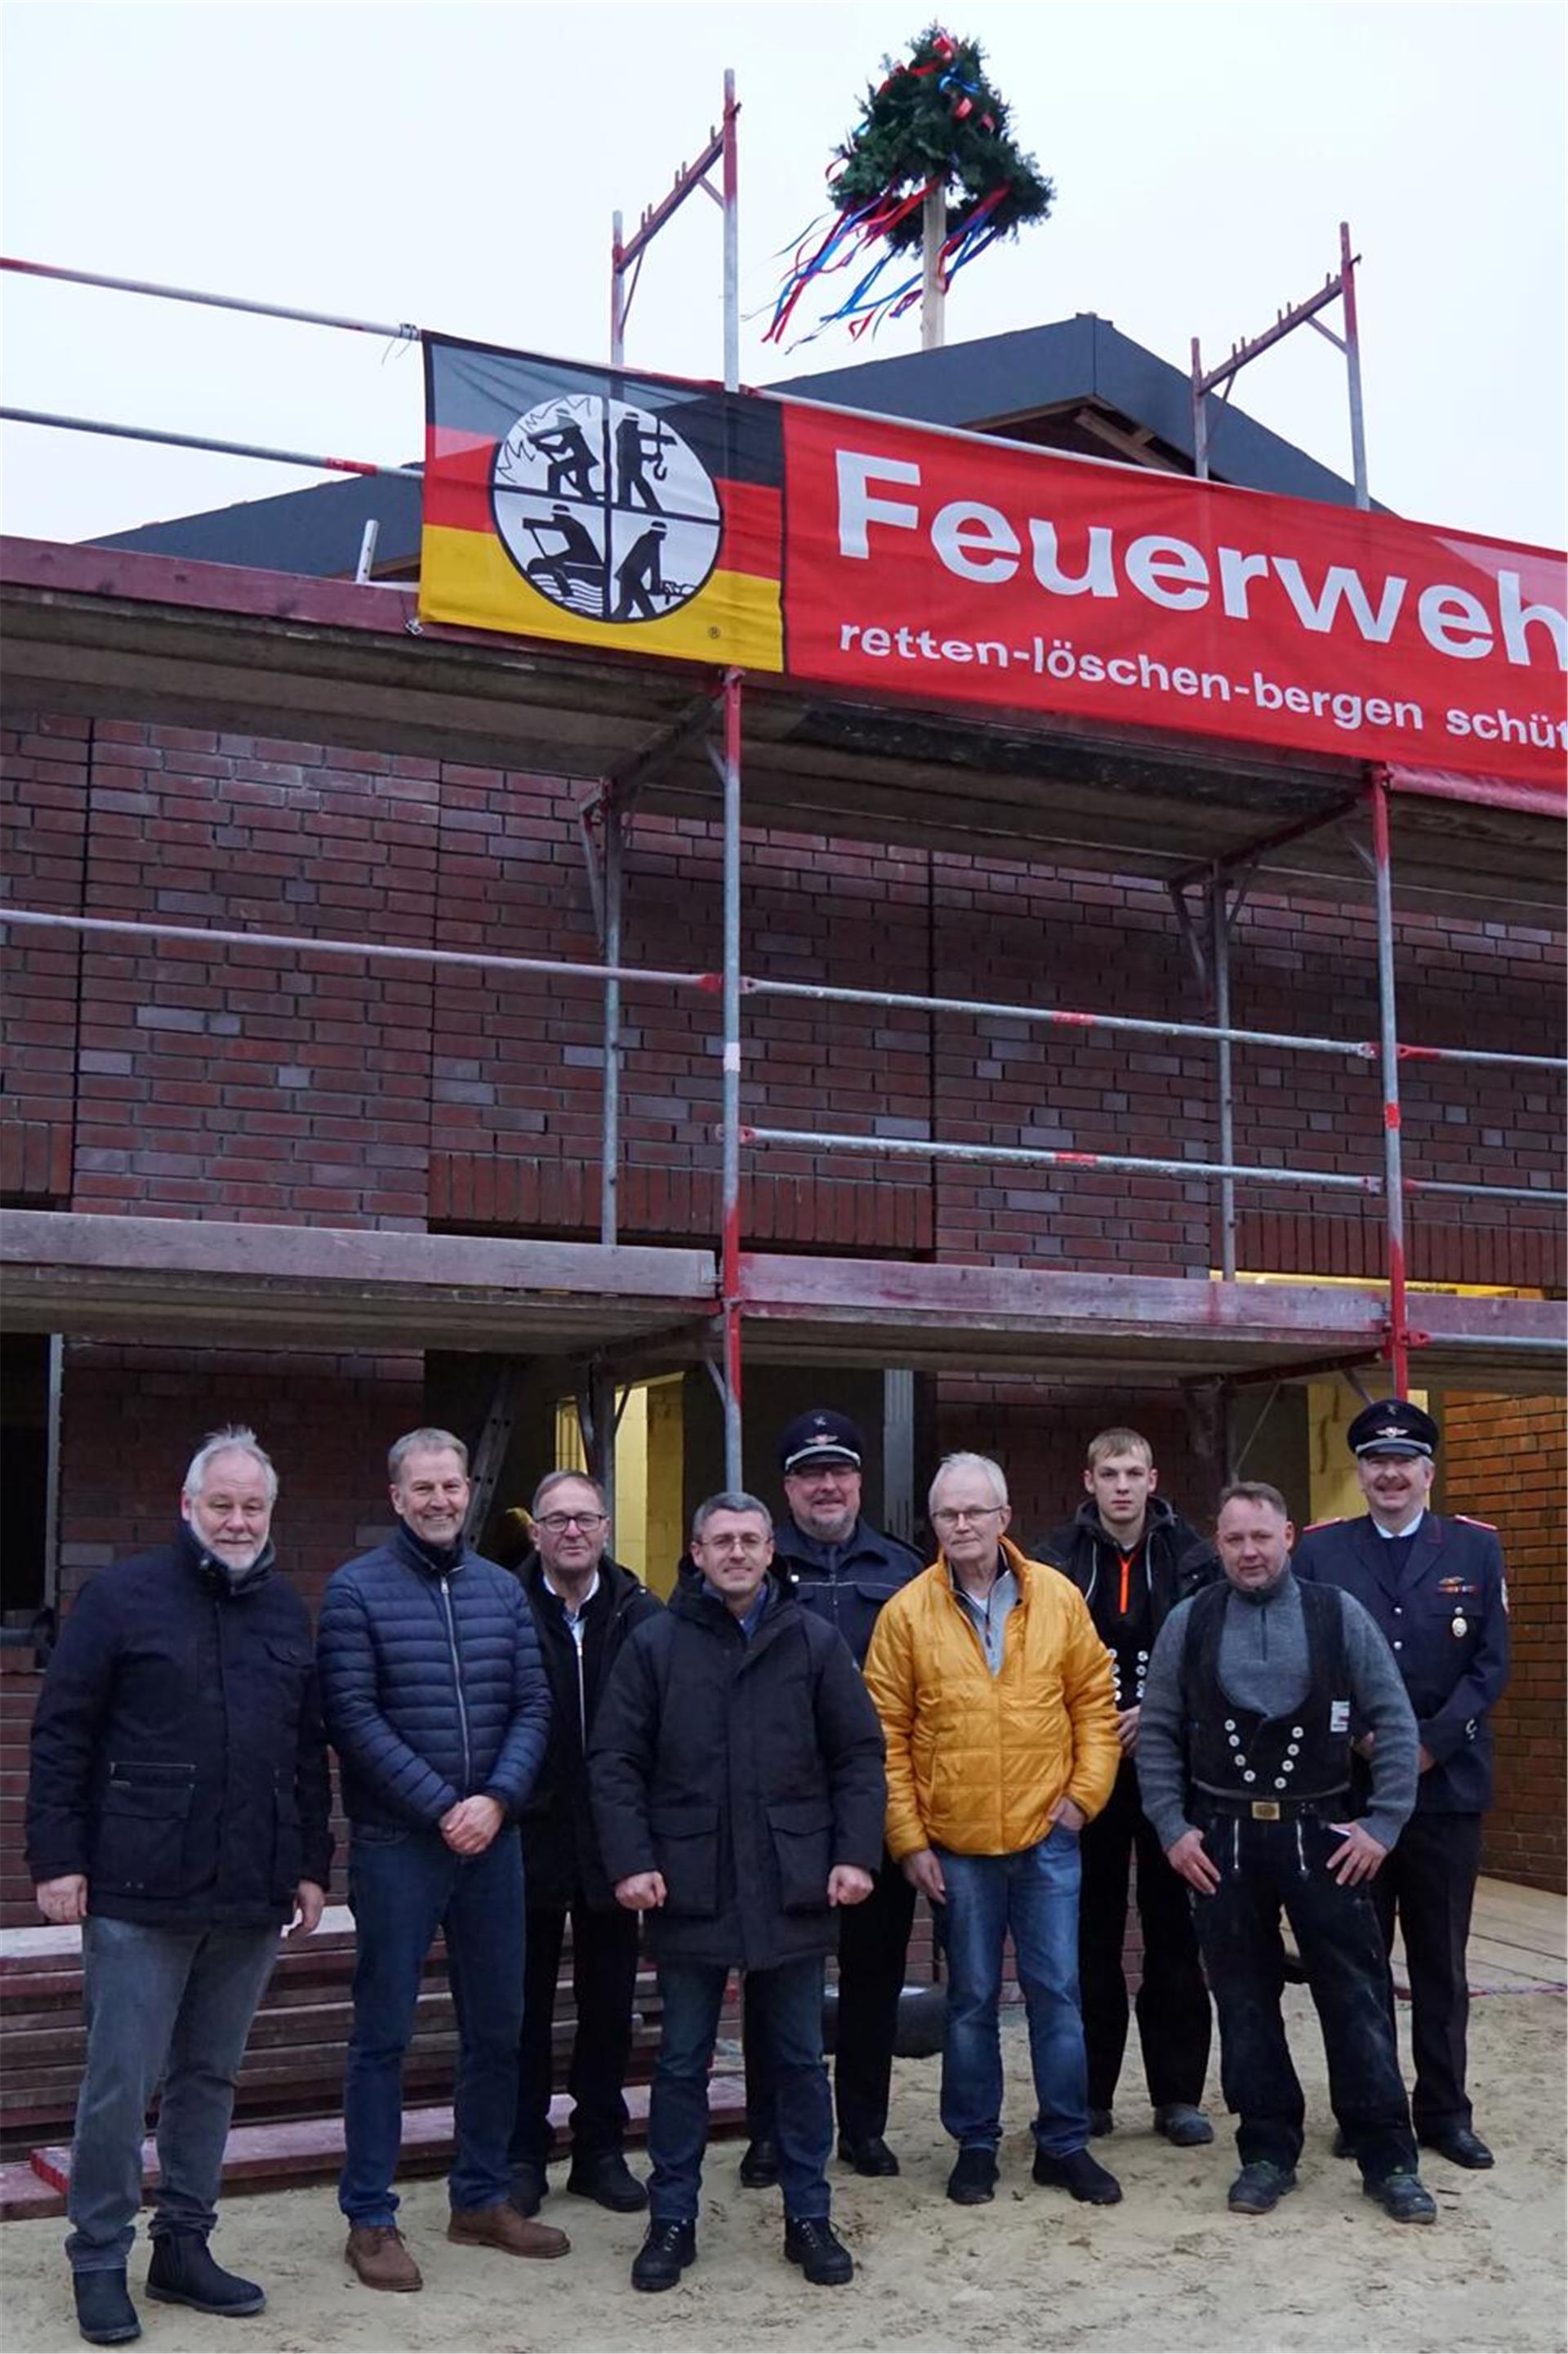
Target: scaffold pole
(729,1254)
(1393,1173)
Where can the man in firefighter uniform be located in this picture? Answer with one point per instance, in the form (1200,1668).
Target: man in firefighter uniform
(1131,1555)
(1438,1590)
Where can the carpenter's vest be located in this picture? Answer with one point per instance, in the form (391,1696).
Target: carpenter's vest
(1237,1751)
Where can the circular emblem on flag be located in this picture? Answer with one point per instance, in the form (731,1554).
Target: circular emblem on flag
(604,509)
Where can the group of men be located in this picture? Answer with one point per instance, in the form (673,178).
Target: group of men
(765,1771)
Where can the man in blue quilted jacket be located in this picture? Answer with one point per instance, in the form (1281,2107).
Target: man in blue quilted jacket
(436,1701)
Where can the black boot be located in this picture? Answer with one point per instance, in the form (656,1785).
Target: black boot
(104,2313)
(183,2272)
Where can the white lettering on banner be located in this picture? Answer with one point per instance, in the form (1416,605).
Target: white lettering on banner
(1340,582)
(1097,578)
(976,542)
(856,508)
(1455,622)
(1517,618)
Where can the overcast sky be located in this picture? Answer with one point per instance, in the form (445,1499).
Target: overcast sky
(457,165)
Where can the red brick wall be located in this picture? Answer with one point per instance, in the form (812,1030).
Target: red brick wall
(1503,1462)
(185,1080)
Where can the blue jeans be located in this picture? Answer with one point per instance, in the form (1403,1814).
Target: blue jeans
(1035,1895)
(175,2003)
(785,2007)
(402,1886)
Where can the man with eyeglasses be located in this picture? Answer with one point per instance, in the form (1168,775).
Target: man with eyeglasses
(996,1696)
(737,1784)
(841,1569)
(585,1605)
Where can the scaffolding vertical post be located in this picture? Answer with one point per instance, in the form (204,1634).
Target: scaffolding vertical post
(1392,1163)
(1220,970)
(729,1278)
(1353,366)
(1200,417)
(610,1103)
(731,235)
(616,300)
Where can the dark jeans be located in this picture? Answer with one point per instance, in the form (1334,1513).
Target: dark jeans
(1033,1894)
(787,2003)
(873,1940)
(1430,1879)
(1264,1866)
(1172,2000)
(402,1886)
(175,2003)
(604,1986)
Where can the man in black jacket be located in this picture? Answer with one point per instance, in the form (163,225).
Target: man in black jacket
(1132,1557)
(738,1781)
(585,1605)
(841,1567)
(178,1809)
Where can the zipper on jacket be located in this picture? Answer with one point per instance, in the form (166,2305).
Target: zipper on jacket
(457,1681)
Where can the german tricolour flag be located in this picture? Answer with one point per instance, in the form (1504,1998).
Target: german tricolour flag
(613,510)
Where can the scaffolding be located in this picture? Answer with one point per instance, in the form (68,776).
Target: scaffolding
(701,722)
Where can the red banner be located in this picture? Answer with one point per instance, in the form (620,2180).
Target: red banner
(920,563)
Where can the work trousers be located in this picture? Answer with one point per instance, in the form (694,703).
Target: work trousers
(604,1987)
(1173,2002)
(873,1942)
(170,2003)
(1429,1879)
(1264,1866)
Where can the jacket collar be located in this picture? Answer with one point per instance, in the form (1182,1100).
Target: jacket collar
(430,1561)
(213,1572)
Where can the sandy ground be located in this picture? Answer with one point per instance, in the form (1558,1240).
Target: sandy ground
(1168,2269)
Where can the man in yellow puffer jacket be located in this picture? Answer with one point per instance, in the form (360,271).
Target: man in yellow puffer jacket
(996,1696)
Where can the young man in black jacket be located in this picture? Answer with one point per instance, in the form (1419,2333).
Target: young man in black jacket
(1133,1558)
(585,1605)
(737,1766)
(178,1809)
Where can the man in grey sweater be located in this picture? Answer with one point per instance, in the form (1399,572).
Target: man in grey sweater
(1255,1692)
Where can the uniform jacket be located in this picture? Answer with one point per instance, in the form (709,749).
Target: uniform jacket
(177,1753)
(561,1859)
(743,1771)
(431,1684)
(976,1762)
(1446,1623)
(845,1583)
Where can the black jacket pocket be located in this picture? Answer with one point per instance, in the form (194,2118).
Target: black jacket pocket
(685,1845)
(139,1846)
(803,1848)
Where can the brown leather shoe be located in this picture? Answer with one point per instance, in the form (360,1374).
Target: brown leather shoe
(502,2227)
(377,2254)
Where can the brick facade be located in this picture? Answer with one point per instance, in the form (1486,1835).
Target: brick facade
(183,1080)
(1502,1462)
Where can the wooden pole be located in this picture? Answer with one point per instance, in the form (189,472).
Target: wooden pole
(934,232)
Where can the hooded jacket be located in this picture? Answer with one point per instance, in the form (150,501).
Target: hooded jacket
(741,1770)
(177,1753)
(976,1762)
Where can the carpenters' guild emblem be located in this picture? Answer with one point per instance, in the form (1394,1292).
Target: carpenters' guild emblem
(604,509)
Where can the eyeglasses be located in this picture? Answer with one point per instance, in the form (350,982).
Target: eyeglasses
(560,1523)
(946,1520)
